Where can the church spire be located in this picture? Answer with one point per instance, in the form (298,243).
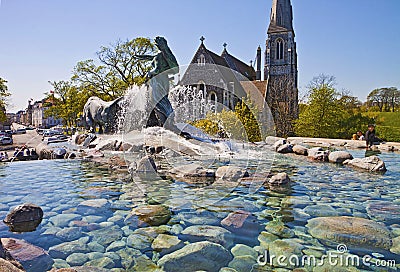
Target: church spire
(281,16)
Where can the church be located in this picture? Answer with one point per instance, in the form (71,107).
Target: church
(224,79)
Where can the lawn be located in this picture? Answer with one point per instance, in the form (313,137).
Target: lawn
(388,125)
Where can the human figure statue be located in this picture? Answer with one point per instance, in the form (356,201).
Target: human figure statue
(164,64)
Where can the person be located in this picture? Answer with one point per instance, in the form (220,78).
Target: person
(354,137)
(1,156)
(5,156)
(370,136)
(360,136)
(28,152)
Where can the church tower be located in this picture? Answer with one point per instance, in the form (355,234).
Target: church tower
(280,69)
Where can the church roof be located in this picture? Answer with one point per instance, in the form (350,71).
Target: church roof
(239,66)
(281,17)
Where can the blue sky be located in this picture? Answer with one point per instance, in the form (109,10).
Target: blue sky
(357,41)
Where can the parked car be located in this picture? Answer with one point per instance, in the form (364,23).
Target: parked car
(6,140)
(40,131)
(20,131)
(51,132)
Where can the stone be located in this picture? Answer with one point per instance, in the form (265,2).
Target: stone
(242,263)
(244,250)
(200,256)
(139,241)
(339,156)
(320,210)
(191,170)
(231,172)
(265,238)
(93,206)
(278,228)
(8,266)
(105,236)
(235,219)
(115,246)
(77,259)
(166,244)
(396,246)
(371,164)
(279,179)
(146,165)
(24,213)
(385,211)
(107,145)
(300,150)
(351,231)
(318,154)
(279,143)
(143,263)
(69,234)
(153,215)
(62,220)
(287,248)
(96,247)
(104,262)
(31,257)
(271,140)
(127,256)
(285,149)
(213,234)
(63,250)
(197,218)
(116,162)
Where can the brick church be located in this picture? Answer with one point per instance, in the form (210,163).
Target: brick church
(225,80)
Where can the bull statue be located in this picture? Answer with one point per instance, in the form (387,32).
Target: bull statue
(98,112)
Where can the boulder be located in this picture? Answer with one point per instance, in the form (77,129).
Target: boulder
(279,143)
(300,150)
(32,258)
(396,246)
(371,164)
(200,256)
(279,179)
(351,231)
(146,165)
(271,140)
(166,244)
(339,156)
(287,248)
(231,172)
(116,162)
(235,219)
(24,218)
(284,149)
(153,215)
(318,154)
(213,234)
(191,170)
(8,266)
(107,145)
(62,251)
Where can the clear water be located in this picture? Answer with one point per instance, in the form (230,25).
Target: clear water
(59,186)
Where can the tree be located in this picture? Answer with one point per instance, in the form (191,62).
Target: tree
(386,99)
(3,96)
(322,116)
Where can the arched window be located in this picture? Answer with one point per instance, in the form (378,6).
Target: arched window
(213,97)
(202,60)
(280,45)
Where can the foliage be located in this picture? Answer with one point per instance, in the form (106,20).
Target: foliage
(384,99)
(388,125)
(3,96)
(240,124)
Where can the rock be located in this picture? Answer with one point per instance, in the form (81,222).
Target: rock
(139,241)
(62,220)
(279,179)
(279,143)
(166,244)
(8,266)
(79,139)
(153,215)
(191,170)
(62,251)
(197,218)
(284,149)
(127,256)
(107,145)
(24,218)
(351,231)
(115,246)
(200,256)
(385,211)
(396,246)
(146,165)
(318,154)
(77,259)
(126,147)
(69,234)
(235,219)
(278,228)
(287,248)
(300,150)
(93,206)
(213,234)
(106,236)
(265,238)
(372,164)
(104,262)
(243,250)
(339,156)
(231,172)
(271,140)
(32,258)
(88,139)
(116,162)
(242,263)
(143,263)
(320,210)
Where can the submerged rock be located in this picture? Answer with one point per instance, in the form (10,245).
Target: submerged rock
(24,218)
(287,248)
(166,244)
(191,170)
(339,156)
(279,179)
(213,234)
(200,256)
(235,219)
(32,258)
(372,164)
(8,266)
(93,206)
(350,231)
(63,250)
(231,172)
(396,246)
(384,211)
(153,215)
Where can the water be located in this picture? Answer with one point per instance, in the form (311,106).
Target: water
(60,186)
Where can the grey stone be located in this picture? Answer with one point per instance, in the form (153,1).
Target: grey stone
(339,156)
(77,259)
(279,179)
(116,245)
(320,210)
(69,234)
(300,150)
(166,244)
(242,263)
(213,234)
(62,220)
(284,149)
(231,172)
(93,206)
(318,154)
(106,236)
(371,164)
(62,251)
(244,250)
(104,262)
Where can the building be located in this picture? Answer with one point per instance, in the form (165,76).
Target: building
(39,119)
(279,87)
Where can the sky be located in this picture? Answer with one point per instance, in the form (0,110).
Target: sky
(357,41)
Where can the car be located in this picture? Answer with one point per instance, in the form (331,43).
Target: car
(6,140)
(40,131)
(20,131)
(51,132)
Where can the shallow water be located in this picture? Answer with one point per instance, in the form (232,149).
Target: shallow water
(60,186)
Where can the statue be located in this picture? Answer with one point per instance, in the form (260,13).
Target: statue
(164,64)
(98,112)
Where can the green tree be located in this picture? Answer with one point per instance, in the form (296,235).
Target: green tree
(322,115)
(3,96)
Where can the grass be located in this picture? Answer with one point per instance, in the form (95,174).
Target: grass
(388,125)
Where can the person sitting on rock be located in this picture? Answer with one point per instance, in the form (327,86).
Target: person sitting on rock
(360,136)
(371,138)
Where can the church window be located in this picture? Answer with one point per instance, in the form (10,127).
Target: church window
(280,49)
(202,60)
